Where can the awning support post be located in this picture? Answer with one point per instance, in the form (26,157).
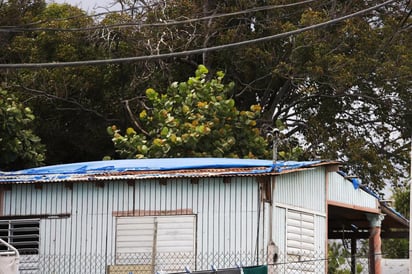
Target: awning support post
(375,253)
(353,255)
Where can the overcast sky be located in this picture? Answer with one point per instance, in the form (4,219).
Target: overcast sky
(89,5)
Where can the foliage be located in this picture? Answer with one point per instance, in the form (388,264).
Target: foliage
(65,96)
(401,196)
(195,118)
(398,248)
(19,146)
(339,92)
(335,90)
(338,257)
(395,248)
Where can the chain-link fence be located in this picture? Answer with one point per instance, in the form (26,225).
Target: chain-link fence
(344,264)
(146,263)
(133,263)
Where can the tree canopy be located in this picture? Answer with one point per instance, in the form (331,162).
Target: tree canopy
(398,248)
(341,91)
(19,146)
(195,118)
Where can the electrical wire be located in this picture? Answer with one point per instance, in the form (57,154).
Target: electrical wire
(162,24)
(83,15)
(190,52)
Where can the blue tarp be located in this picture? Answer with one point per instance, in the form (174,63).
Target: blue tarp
(64,171)
(355,181)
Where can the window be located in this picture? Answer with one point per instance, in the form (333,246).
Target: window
(166,242)
(300,232)
(22,234)
(300,238)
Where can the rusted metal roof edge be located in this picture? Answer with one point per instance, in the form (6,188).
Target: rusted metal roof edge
(147,174)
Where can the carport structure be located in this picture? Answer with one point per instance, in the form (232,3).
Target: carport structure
(355,212)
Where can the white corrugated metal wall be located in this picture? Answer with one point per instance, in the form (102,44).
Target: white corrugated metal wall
(342,190)
(299,216)
(229,219)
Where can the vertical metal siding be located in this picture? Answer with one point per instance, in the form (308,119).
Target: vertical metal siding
(279,228)
(342,190)
(29,200)
(302,193)
(299,236)
(227,218)
(305,189)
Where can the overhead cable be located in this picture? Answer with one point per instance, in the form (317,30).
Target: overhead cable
(83,15)
(162,24)
(190,52)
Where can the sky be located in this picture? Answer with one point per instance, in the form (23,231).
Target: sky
(88,5)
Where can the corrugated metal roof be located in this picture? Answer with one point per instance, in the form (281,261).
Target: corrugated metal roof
(153,168)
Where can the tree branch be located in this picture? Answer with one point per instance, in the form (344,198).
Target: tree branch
(54,97)
(133,118)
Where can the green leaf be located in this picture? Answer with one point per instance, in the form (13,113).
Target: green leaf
(164,132)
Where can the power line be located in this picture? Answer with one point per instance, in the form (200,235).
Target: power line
(190,52)
(163,24)
(83,15)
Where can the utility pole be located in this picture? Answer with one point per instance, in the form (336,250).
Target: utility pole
(272,134)
(410,211)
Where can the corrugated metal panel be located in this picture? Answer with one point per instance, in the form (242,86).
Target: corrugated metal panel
(304,189)
(229,218)
(300,237)
(279,228)
(29,200)
(342,191)
(143,169)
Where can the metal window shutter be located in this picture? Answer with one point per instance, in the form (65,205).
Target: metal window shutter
(300,240)
(134,235)
(176,234)
(137,234)
(300,232)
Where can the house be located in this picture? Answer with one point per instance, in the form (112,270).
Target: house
(142,216)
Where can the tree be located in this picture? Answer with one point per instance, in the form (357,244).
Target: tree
(338,258)
(19,146)
(70,103)
(195,118)
(337,92)
(398,248)
(340,92)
